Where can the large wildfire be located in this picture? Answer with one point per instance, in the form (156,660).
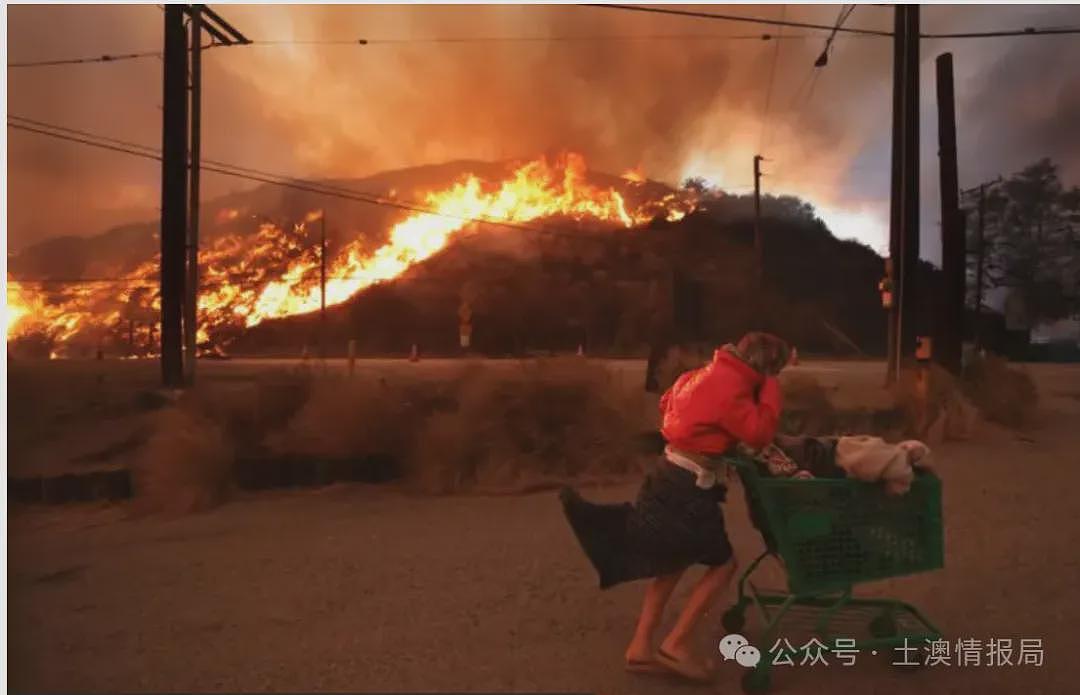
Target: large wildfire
(274,271)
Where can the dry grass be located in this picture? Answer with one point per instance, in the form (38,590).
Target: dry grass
(931,403)
(1003,393)
(480,426)
(681,358)
(944,407)
(185,465)
(807,407)
(352,418)
(552,420)
(474,428)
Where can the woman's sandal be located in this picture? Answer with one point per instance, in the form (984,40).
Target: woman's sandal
(687,669)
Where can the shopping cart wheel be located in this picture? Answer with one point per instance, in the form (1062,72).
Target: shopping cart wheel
(734,618)
(755,681)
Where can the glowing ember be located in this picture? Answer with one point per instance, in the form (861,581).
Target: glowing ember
(274,272)
(635,175)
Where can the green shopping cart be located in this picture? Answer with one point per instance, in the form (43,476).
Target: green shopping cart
(831,534)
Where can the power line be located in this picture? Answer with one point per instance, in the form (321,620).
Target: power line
(768,90)
(123,143)
(254,175)
(135,283)
(1026,31)
(146,152)
(842,17)
(852,32)
(102,145)
(119,57)
(226,169)
(737,18)
(104,58)
(815,72)
(529,39)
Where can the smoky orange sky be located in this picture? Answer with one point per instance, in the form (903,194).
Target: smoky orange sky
(679,100)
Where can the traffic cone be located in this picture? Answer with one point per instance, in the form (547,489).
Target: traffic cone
(414,354)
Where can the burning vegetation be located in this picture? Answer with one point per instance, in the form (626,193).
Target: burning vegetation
(271,272)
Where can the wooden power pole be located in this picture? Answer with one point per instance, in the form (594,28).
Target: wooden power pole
(174,201)
(895,196)
(759,252)
(322,287)
(180,182)
(950,307)
(191,300)
(904,198)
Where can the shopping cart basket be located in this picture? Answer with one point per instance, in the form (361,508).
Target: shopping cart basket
(831,534)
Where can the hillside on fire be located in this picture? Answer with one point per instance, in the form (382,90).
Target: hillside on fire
(612,293)
(538,256)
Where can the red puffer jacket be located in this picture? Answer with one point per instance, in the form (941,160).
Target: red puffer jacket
(710,409)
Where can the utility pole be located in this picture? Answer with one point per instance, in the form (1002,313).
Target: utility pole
(174,132)
(904,199)
(322,288)
(895,197)
(180,183)
(950,321)
(909,289)
(759,255)
(191,304)
(980,265)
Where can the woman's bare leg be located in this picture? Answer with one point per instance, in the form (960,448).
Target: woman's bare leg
(677,643)
(652,610)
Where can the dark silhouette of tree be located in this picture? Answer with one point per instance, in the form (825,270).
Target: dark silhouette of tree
(698,185)
(1031,243)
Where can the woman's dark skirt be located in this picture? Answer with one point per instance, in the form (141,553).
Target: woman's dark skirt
(673,524)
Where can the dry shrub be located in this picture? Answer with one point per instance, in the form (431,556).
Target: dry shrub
(185,465)
(550,421)
(1004,394)
(356,418)
(232,406)
(280,397)
(989,387)
(678,359)
(807,408)
(933,405)
(344,419)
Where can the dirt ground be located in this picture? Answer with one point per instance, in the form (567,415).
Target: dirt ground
(374,589)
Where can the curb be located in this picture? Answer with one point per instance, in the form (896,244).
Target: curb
(250,473)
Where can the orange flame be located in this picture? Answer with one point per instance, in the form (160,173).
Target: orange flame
(273,273)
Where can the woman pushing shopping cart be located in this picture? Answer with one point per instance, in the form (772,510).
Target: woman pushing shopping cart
(829,533)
